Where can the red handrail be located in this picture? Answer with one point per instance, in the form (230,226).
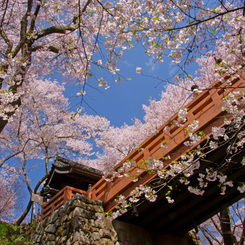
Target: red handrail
(59,199)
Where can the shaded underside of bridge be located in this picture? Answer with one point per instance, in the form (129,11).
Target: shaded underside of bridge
(188,210)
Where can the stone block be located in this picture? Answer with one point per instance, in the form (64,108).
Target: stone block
(105,241)
(95,236)
(51,237)
(61,210)
(63,218)
(62,240)
(51,243)
(60,231)
(50,229)
(54,217)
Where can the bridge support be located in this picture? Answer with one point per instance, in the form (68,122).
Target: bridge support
(166,239)
(136,235)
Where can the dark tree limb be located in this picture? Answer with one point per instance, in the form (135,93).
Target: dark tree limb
(242,240)
(26,211)
(225,224)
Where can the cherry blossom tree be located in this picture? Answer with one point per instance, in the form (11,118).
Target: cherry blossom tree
(227,227)
(117,143)
(8,188)
(40,37)
(43,128)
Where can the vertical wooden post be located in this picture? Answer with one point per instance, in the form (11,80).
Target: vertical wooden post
(67,194)
(146,153)
(89,194)
(108,187)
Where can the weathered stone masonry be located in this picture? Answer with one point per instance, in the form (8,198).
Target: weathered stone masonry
(75,223)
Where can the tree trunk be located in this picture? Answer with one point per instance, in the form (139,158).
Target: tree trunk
(225,224)
(22,217)
(3,123)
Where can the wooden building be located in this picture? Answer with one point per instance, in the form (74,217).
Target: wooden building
(65,180)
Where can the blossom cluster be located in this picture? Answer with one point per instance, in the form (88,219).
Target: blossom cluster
(123,205)
(8,187)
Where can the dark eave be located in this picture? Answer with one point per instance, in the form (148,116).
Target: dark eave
(69,173)
(63,164)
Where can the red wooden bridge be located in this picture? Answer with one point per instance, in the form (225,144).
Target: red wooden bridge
(190,210)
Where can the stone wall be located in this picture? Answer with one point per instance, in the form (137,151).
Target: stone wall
(76,223)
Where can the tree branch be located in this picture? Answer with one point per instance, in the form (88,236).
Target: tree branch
(103,7)
(15,154)
(7,41)
(33,21)
(22,217)
(25,174)
(4,13)
(241,242)
(205,20)
(81,11)
(226,227)
(51,30)
(50,48)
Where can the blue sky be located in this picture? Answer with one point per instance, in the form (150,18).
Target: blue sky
(123,102)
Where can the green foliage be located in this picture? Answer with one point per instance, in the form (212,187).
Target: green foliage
(170,188)
(13,235)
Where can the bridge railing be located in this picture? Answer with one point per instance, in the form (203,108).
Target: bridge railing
(59,199)
(206,108)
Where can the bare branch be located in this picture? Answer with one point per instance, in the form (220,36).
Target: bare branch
(107,10)
(33,21)
(205,20)
(13,155)
(7,41)
(25,174)
(4,13)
